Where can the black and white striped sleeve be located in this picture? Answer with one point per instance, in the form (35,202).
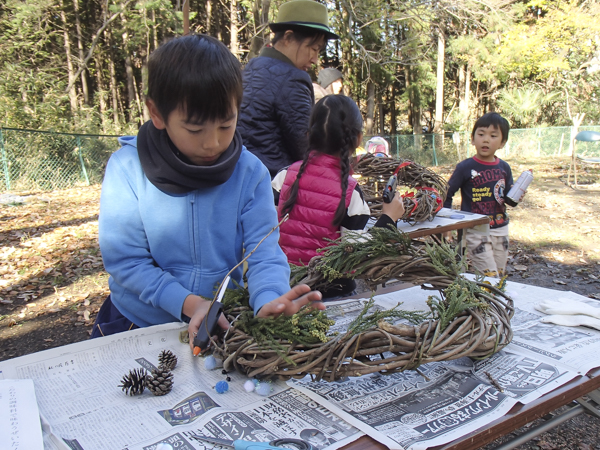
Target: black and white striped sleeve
(357,214)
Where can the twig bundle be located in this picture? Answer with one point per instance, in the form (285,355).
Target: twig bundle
(470,318)
(429,189)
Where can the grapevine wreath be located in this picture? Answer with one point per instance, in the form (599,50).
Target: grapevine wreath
(468,318)
(426,190)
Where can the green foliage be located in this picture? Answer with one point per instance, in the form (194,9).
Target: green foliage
(446,259)
(343,259)
(524,105)
(458,297)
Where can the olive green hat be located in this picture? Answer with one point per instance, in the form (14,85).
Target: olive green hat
(303,14)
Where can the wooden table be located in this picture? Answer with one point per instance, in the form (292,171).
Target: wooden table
(442,223)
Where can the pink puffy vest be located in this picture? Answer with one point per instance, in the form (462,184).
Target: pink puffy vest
(310,220)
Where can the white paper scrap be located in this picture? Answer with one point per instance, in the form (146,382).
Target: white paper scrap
(20,427)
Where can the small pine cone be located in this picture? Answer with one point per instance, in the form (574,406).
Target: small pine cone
(134,382)
(167,359)
(160,382)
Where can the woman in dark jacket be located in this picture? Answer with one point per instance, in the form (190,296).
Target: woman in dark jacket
(278,93)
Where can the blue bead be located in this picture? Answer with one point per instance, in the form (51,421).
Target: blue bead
(210,362)
(263,388)
(221,387)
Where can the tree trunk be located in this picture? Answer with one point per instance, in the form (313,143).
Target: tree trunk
(393,110)
(186,17)
(407,88)
(208,7)
(370,107)
(84,84)
(467,94)
(233,27)
(131,97)
(439,92)
(154,32)
(114,90)
(462,110)
(70,70)
(260,11)
(101,92)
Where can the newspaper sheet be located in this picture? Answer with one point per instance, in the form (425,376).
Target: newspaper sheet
(84,409)
(575,347)
(450,399)
(441,219)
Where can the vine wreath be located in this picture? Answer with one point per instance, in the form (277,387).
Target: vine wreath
(469,318)
(428,188)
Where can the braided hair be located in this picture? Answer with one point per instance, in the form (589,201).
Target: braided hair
(335,125)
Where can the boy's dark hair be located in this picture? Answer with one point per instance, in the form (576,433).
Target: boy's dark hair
(492,119)
(335,124)
(197,73)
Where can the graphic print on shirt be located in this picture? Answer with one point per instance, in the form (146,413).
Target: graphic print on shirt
(488,193)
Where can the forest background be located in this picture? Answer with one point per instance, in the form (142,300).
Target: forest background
(413,66)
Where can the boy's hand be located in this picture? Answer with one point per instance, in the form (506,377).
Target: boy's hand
(196,307)
(395,209)
(522,196)
(291,302)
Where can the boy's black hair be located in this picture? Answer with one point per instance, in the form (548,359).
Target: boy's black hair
(335,125)
(492,119)
(197,73)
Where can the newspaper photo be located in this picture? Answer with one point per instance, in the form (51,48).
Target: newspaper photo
(287,414)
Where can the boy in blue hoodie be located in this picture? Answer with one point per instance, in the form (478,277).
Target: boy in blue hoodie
(183,200)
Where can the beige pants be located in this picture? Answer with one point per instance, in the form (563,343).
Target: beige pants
(488,252)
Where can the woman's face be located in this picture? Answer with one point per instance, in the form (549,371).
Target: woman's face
(304,54)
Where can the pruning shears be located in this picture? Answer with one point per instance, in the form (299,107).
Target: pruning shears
(241,444)
(209,325)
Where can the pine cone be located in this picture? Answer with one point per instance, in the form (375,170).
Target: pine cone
(134,382)
(160,382)
(167,359)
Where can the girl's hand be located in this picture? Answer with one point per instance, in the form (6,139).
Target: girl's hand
(395,209)
(291,302)
(196,307)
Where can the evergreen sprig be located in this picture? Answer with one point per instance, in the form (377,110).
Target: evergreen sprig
(446,259)
(456,298)
(345,257)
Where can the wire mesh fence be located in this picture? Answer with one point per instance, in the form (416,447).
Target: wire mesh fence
(40,160)
(450,148)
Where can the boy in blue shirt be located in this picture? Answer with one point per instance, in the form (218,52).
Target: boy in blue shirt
(183,200)
(484,180)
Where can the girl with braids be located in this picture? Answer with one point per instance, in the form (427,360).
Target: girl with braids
(319,193)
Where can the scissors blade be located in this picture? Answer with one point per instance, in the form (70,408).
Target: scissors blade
(213,440)
(223,288)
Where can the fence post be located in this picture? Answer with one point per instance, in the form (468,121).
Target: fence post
(85,175)
(435,161)
(4,162)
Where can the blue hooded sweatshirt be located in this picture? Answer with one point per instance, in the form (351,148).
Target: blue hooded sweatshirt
(158,248)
